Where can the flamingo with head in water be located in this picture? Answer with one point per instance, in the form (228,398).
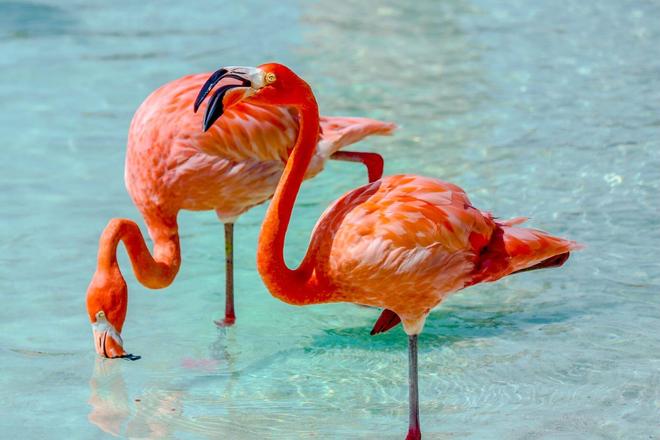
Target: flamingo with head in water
(402,243)
(172,165)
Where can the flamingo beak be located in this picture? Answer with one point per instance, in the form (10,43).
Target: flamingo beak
(108,342)
(250,79)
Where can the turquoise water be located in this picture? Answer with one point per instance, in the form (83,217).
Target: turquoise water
(549,109)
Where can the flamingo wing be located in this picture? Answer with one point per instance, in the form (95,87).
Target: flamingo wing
(233,166)
(400,242)
(245,132)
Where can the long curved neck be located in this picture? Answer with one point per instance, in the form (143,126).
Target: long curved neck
(108,291)
(289,285)
(155,271)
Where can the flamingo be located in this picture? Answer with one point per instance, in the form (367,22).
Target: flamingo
(401,243)
(172,165)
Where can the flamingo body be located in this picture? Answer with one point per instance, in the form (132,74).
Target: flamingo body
(405,242)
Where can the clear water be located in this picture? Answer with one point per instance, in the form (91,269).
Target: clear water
(543,108)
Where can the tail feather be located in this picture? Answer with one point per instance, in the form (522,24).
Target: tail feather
(337,132)
(514,221)
(556,261)
(514,249)
(528,247)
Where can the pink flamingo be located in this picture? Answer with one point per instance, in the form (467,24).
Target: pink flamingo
(402,243)
(172,165)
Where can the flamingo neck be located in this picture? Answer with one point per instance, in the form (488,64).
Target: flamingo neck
(155,271)
(108,291)
(294,286)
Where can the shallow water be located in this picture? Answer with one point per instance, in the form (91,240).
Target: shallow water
(549,109)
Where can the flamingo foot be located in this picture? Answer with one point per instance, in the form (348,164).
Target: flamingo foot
(228,321)
(414,434)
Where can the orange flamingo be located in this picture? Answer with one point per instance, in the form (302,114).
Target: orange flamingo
(172,165)
(402,243)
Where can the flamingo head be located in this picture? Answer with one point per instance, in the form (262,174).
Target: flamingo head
(107,299)
(268,84)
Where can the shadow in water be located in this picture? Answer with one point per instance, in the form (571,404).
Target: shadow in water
(158,410)
(443,327)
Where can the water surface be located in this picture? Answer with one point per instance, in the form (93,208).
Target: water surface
(549,109)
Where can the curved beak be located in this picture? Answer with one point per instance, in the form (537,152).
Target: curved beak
(107,345)
(108,342)
(248,78)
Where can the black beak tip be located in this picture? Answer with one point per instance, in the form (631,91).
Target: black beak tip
(131,357)
(208,85)
(215,108)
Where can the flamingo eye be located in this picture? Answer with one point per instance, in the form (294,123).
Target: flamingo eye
(100,314)
(270,78)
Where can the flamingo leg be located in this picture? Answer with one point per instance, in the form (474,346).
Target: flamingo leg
(373,162)
(414,432)
(230,316)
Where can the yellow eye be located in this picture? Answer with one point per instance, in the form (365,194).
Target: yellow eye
(100,314)
(270,78)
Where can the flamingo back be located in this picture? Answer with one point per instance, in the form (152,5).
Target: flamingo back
(171,164)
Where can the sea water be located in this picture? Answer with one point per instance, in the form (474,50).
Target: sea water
(547,109)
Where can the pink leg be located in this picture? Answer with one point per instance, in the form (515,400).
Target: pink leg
(373,162)
(414,431)
(230,316)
